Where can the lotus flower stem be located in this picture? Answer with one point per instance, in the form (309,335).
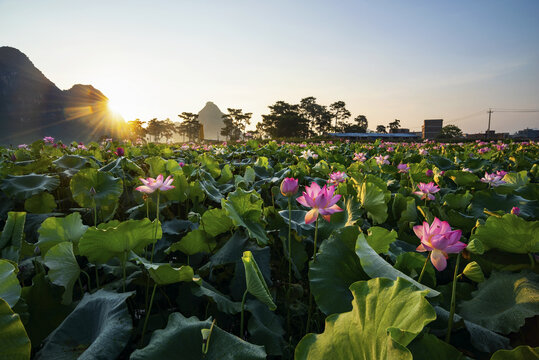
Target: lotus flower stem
(123,270)
(147,315)
(80,285)
(315,238)
(242,311)
(453,296)
(309,313)
(423,269)
(289,259)
(97,277)
(532,260)
(156,225)
(88,280)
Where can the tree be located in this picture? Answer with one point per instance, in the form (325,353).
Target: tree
(154,129)
(136,131)
(360,125)
(339,114)
(284,120)
(235,123)
(168,128)
(450,132)
(381,129)
(318,115)
(395,125)
(190,126)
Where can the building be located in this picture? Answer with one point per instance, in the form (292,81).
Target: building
(431,128)
(487,135)
(527,134)
(399,131)
(375,136)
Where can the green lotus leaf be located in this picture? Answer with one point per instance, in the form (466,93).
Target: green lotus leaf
(336,268)
(63,268)
(380,238)
(386,316)
(515,180)
(101,245)
(215,222)
(522,352)
(41,203)
(265,328)
(375,266)
(475,246)
(181,188)
(457,201)
(222,301)
(509,233)
(504,301)
(495,202)
(462,178)
(107,191)
(14,342)
(55,230)
(404,210)
(183,336)
(226,174)
(211,164)
(10,289)
(196,241)
(256,285)
(426,345)
(98,328)
(45,309)
(71,164)
(411,264)
(245,209)
(11,239)
(164,274)
(372,198)
(473,272)
(157,166)
(25,186)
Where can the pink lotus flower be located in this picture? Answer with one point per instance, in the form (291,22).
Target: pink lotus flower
(289,186)
(492,179)
(440,240)
(151,184)
(321,201)
(359,157)
(501,173)
(515,210)
(423,152)
(429,173)
(120,151)
(48,139)
(483,150)
(337,177)
(181,163)
(382,160)
(24,146)
(426,190)
(403,168)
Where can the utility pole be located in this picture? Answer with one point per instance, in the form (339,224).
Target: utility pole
(489,116)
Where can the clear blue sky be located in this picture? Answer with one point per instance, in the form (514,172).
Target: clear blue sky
(410,60)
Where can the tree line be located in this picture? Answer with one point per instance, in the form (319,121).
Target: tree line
(303,120)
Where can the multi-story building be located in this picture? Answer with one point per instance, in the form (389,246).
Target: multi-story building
(431,128)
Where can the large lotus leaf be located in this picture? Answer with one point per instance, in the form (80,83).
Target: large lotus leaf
(196,241)
(372,198)
(45,309)
(411,264)
(386,316)
(515,180)
(63,268)
(425,346)
(10,289)
(509,233)
(41,203)
(107,191)
(14,342)
(265,328)
(164,274)
(256,285)
(209,185)
(375,266)
(457,201)
(404,210)
(504,301)
(101,245)
(182,339)
(215,222)
(522,352)
(462,178)
(245,209)
(222,301)
(98,328)
(157,166)
(495,202)
(380,238)
(336,268)
(11,239)
(211,164)
(55,230)
(71,164)
(25,186)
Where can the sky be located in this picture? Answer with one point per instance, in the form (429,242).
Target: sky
(387,59)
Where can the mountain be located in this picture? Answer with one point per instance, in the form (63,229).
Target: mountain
(32,106)
(210,117)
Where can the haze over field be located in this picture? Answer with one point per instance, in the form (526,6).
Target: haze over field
(386,60)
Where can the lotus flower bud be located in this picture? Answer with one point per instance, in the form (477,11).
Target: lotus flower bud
(515,210)
(289,186)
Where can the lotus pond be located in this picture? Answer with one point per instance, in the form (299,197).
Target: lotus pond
(267,250)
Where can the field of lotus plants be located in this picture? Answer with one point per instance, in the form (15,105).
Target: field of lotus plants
(269,250)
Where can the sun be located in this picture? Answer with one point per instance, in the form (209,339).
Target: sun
(114,108)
